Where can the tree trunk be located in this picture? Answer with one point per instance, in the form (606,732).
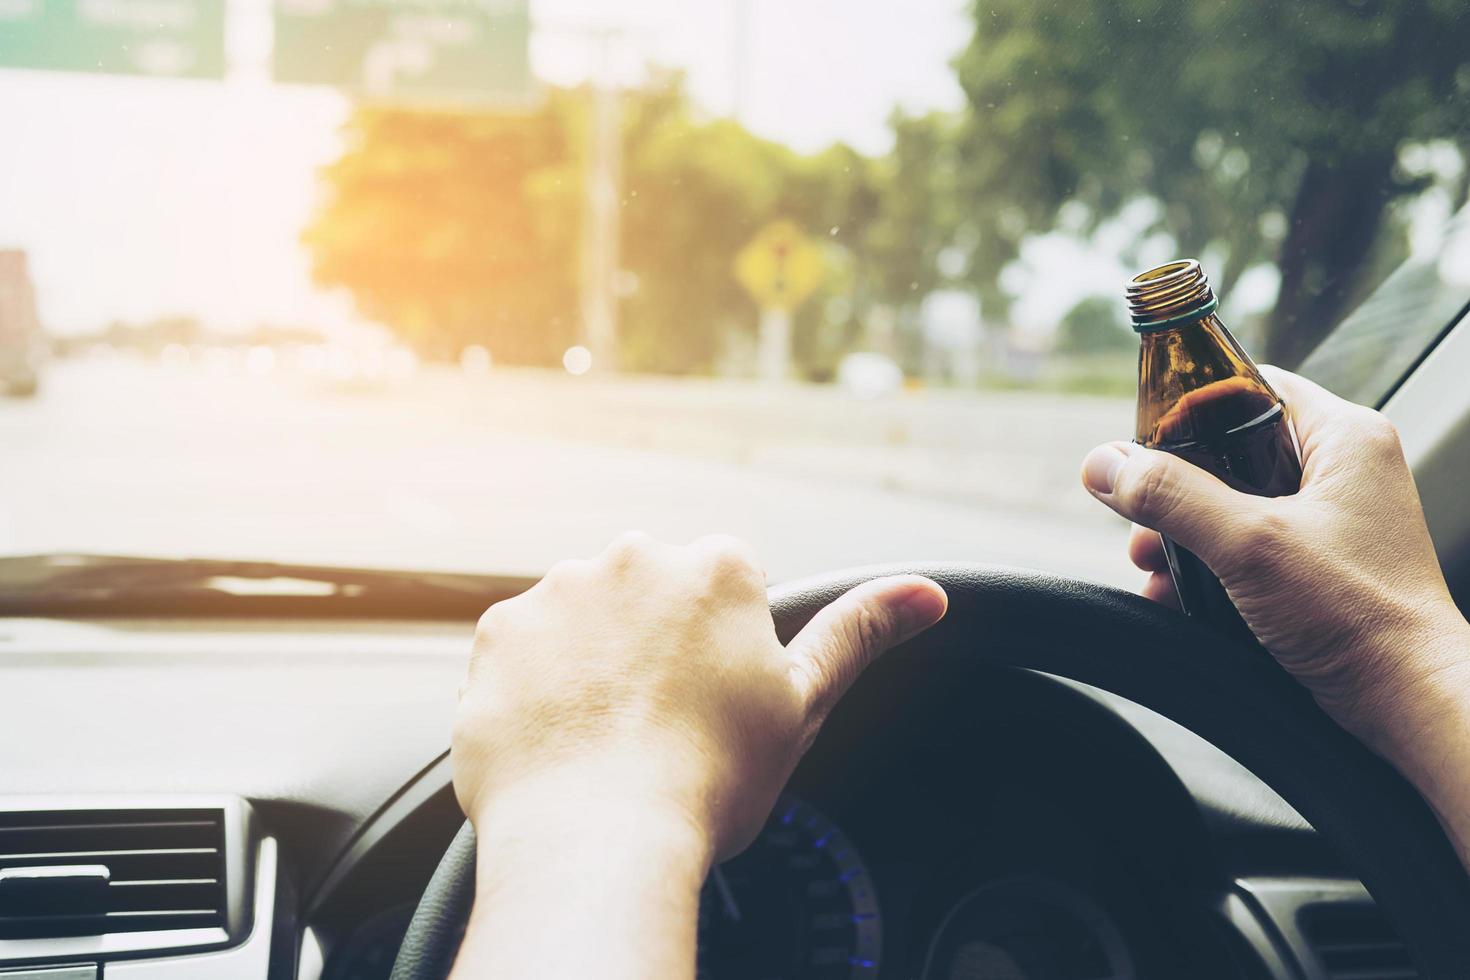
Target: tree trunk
(1334,220)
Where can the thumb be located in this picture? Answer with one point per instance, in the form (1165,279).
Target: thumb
(1166,493)
(848,634)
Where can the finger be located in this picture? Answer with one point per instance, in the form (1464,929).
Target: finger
(1146,549)
(1333,434)
(846,636)
(1167,494)
(1160,588)
(1315,411)
(1308,400)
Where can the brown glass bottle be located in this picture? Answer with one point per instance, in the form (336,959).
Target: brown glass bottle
(1201,398)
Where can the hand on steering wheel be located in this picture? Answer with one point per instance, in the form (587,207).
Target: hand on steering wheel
(640,705)
(1232,696)
(630,719)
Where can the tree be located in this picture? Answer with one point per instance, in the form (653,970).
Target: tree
(694,193)
(459,229)
(456,229)
(1094,326)
(917,219)
(1267,131)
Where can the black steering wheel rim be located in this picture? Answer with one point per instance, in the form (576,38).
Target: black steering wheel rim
(1230,694)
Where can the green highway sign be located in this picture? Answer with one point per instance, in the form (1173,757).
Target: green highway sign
(459,53)
(170,38)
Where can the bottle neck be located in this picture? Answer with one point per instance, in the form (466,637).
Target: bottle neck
(1206,343)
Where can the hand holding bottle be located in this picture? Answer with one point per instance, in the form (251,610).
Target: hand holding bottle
(1202,398)
(1339,581)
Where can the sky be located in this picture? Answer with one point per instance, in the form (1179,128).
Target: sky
(137,198)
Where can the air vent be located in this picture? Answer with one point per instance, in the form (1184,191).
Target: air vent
(89,872)
(1355,942)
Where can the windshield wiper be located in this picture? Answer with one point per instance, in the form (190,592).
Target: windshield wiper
(107,585)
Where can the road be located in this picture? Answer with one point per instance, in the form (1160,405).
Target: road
(511,470)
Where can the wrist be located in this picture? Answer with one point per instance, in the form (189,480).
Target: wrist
(1420,719)
(623,870)
(573,810)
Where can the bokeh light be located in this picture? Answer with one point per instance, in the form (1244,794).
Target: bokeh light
(577,360)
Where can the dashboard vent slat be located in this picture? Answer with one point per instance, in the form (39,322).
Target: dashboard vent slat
(165,870)
(1356,943)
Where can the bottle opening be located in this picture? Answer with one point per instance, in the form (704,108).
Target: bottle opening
(1169,294)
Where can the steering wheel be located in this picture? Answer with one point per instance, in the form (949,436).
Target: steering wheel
(1231,694)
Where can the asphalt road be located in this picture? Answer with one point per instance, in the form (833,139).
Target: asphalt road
(509,471)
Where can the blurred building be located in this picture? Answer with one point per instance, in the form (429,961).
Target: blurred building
(20,327)
(953,337)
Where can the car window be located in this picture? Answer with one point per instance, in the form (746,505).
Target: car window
(1369,353)
(477,285)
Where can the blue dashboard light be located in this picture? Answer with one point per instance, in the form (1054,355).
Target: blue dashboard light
(801,861)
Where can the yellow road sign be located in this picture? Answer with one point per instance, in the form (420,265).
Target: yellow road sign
(780,266)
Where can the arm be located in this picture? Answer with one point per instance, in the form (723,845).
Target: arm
(625,723)
(1339,581)
(572,882)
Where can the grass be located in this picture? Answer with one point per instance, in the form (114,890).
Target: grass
(1111,374)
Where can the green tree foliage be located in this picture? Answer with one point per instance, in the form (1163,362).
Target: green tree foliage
(1268,131)
(1094,326)
(916,221)
(458,229)
(694,193)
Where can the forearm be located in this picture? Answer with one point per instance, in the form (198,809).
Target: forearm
(570,885)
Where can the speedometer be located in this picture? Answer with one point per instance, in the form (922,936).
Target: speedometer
(798,903)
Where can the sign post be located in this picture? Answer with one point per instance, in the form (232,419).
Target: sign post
(600,233)
(164,38)
(780,268)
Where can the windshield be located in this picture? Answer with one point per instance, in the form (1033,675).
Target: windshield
(477,285)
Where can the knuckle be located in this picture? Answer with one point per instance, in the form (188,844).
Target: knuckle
(816,677)
(872,626)
(492,619)
(733,571)
(565,572)
(1151,493)
(1379,434)
(629,545)
(727,557)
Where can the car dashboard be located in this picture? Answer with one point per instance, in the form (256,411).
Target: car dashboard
(270,796)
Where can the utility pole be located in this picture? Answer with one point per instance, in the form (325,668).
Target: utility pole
(739,57)
(603,192)
(604,202)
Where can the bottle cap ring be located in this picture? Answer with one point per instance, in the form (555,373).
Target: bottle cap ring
(1196,313)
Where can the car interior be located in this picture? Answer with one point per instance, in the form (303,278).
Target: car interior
(325,326)
(263,772)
